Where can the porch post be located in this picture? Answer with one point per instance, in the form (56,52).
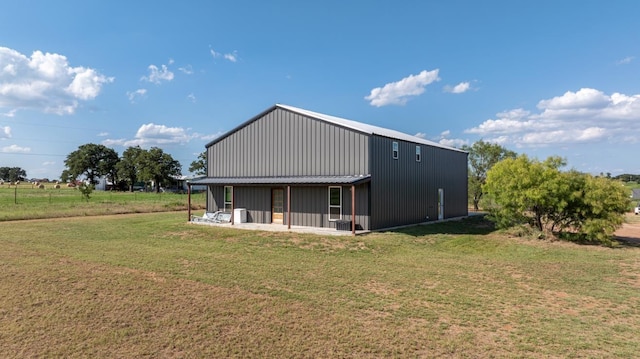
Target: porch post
(353,209)
(189,201)
(233,202)
(288,206)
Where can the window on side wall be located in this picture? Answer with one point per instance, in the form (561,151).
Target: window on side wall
(418,155)
(228,198)
(335,203)
(395,150)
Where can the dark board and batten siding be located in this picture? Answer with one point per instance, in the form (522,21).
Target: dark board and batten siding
(404,191)
(283,143)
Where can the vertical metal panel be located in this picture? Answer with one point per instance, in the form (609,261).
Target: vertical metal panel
(310,206)
(404,191)
(257,202)
(283,143)
(215,198)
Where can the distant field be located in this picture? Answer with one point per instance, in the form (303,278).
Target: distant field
(29,202)
(152,285)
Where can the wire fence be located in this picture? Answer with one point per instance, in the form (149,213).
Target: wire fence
(27,195)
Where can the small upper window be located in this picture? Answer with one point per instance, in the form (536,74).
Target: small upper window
(418,157)
(395,150)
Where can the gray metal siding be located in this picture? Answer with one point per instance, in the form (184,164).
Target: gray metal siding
(404,191)
(257,202)
(310,206)
(215,198)
(282,143)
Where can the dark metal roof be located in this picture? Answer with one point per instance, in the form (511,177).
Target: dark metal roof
(299,180)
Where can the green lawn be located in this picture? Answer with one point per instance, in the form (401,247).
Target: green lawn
(153,285)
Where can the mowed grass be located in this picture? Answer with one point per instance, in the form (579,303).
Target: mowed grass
(152,285)
(29,202)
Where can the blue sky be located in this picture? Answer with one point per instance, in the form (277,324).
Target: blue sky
(539,77)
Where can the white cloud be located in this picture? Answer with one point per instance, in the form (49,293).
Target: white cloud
(209,137)
(459,88)
(399,92)
(103,134)
(5,132)
(451,142)
(153,135)
(16,149)
(421,135)
(133,95)
(626,60)
(191,97)
(187,70)
(584,98)
(584,116)
(10,69)
(157,75)
(45,82)
(11,113)
(232,57)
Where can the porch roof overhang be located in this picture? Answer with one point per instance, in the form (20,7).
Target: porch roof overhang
(285,180)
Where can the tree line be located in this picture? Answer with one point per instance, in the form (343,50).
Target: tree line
(136,165)
(12,174)
(94,161)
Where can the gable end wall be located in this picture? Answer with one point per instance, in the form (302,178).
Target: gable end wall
(283,143)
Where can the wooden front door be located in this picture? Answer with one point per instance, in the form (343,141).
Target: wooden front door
(277,205)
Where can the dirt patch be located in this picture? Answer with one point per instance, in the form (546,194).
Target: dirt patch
(630,231)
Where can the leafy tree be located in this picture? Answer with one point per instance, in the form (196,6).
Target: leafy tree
(594,207)
(12,174)
(521,190)
(158,167)
(483,156)
(199,166)
(571,204)
(130,165)
(627,177)
(93,161)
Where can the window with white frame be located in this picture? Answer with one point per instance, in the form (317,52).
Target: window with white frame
(395,150)
(335,203)
(228,198)
(418,155)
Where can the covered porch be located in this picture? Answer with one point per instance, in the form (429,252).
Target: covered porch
(326,202)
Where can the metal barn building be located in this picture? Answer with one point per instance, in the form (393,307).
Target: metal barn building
(290,166)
